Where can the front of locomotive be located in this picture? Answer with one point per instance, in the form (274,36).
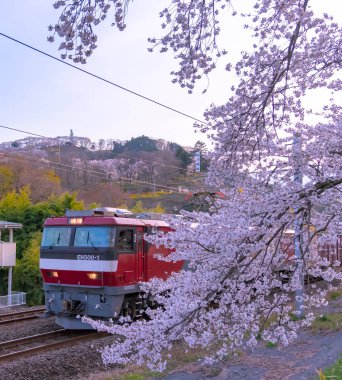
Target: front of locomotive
(78,265)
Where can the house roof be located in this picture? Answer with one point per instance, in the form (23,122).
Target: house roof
(7,225)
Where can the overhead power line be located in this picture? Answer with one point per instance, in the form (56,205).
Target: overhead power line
(100,174)
(118,155)
(104,80)
(28,133)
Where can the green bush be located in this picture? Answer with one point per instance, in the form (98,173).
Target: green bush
(26,274)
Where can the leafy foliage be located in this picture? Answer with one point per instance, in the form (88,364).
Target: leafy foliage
(26,274)
(6,180)
(17,207)
(184,156)
(13,205)
(139,208)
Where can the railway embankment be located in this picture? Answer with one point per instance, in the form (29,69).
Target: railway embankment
(317,347)
(78,359)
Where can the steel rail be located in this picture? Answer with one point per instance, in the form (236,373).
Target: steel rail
(20,315)
(44,342)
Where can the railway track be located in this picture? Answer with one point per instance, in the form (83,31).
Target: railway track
(21,315)
(17,348)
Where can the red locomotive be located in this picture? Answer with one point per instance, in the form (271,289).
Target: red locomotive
(92,262)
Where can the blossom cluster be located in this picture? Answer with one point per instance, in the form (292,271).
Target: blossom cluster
(77,21)
(279,164)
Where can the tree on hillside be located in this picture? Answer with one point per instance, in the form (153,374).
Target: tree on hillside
(127,168)
(282,161)
(158,167)
(118,147)
(41,181)
(181,154)
(26,276)
(141,143)
(105,194)
(139,208)
(17,207)
(13,205)
(6,180)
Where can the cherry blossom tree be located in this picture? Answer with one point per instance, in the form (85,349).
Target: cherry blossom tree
(235,292)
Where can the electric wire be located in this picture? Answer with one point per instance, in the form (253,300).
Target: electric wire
(149,161)
(118,154)
(28,133)
(103,175)
(103,79)
(99,175)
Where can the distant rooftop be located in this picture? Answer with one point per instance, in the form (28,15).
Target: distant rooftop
(4,224)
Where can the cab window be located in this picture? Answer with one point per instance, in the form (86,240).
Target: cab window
(56,237)
(90,236)
(126,240)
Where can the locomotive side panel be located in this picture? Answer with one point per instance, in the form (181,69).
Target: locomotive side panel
(329,250)
(130,255)
(156,266)
(332,251)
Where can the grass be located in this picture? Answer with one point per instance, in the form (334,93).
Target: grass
(295,317)
(332,373)
(334,295)
(327,322)
(136,376)
(129,373)
(271,345)
(182,358)
(151,194)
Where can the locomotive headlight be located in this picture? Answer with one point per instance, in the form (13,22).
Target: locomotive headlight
(75,220)
(52,274)
(94,276)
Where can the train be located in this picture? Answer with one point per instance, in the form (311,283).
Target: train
(92,262)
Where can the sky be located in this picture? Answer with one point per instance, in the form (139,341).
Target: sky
(43,96)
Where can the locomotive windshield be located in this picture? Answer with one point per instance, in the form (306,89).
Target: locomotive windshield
(94,236)
(85,236)
(56,237)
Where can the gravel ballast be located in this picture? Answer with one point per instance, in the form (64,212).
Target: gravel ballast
(82,361)
(77,361)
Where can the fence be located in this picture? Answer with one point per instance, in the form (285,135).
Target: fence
(16,298)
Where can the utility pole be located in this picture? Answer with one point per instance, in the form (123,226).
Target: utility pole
(10,272)
(8,254)
(298,229)
(197,161)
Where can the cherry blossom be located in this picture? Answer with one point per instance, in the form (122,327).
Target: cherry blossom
(242,278)
(77,22)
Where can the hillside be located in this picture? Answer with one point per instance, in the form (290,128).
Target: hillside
(141,172)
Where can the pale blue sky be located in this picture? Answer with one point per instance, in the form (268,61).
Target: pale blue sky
(46,97)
